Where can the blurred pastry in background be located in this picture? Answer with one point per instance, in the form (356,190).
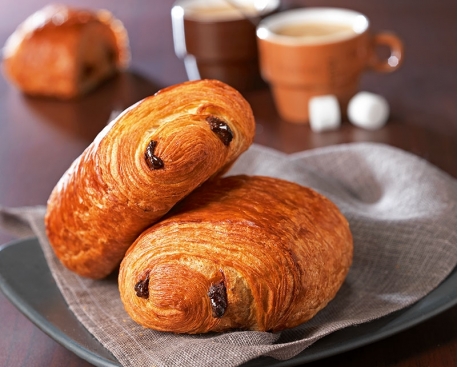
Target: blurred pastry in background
(63,52)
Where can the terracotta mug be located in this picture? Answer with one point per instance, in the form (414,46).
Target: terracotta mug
(217,39)
(309,52)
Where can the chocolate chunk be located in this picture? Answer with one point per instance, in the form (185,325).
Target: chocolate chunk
(88,70)
(111,56)
(220,128)
(153,161)
(141,288)
(218,298)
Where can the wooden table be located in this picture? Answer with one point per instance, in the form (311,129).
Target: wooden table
(40,138)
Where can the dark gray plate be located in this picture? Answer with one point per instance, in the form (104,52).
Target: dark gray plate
(27,282)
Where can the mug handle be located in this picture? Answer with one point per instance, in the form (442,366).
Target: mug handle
(393,62)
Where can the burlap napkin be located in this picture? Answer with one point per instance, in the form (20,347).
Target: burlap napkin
(402,213)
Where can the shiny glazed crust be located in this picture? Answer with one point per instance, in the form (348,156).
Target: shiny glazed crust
(250,253)
(64,52)
(112,192)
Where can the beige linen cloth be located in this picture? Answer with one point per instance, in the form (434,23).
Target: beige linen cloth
(402,213)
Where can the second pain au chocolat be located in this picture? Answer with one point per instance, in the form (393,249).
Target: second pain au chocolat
(243,253)
(145,161)
(65,52)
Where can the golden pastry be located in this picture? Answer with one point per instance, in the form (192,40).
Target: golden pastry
(153,155)
(64,52)
(245,253)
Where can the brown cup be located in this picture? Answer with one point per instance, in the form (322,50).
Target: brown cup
(319,51)
(217,40)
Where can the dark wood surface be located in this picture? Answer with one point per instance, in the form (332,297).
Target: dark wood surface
(39,139)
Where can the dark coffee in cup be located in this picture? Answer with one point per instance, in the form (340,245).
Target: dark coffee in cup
(217,40)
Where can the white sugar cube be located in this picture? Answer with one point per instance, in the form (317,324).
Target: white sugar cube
(324,113)
(368,110)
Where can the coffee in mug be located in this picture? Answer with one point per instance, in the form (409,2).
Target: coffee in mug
(316,32)
(319,51)
(217,39)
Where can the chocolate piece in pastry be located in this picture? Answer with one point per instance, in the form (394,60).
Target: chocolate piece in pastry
(64,52)
(153,155)
(245,253)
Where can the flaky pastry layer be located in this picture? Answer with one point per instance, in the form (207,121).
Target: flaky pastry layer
(64,52)
(244,253)
(153,155)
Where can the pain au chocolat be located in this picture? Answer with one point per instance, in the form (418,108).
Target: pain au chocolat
(245,253)
(153,155)
(64,52)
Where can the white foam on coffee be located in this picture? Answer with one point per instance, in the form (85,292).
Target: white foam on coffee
(357,22)
(222,10)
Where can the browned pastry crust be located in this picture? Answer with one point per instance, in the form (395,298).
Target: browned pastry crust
(64,52)
(144,162)
(251,253)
